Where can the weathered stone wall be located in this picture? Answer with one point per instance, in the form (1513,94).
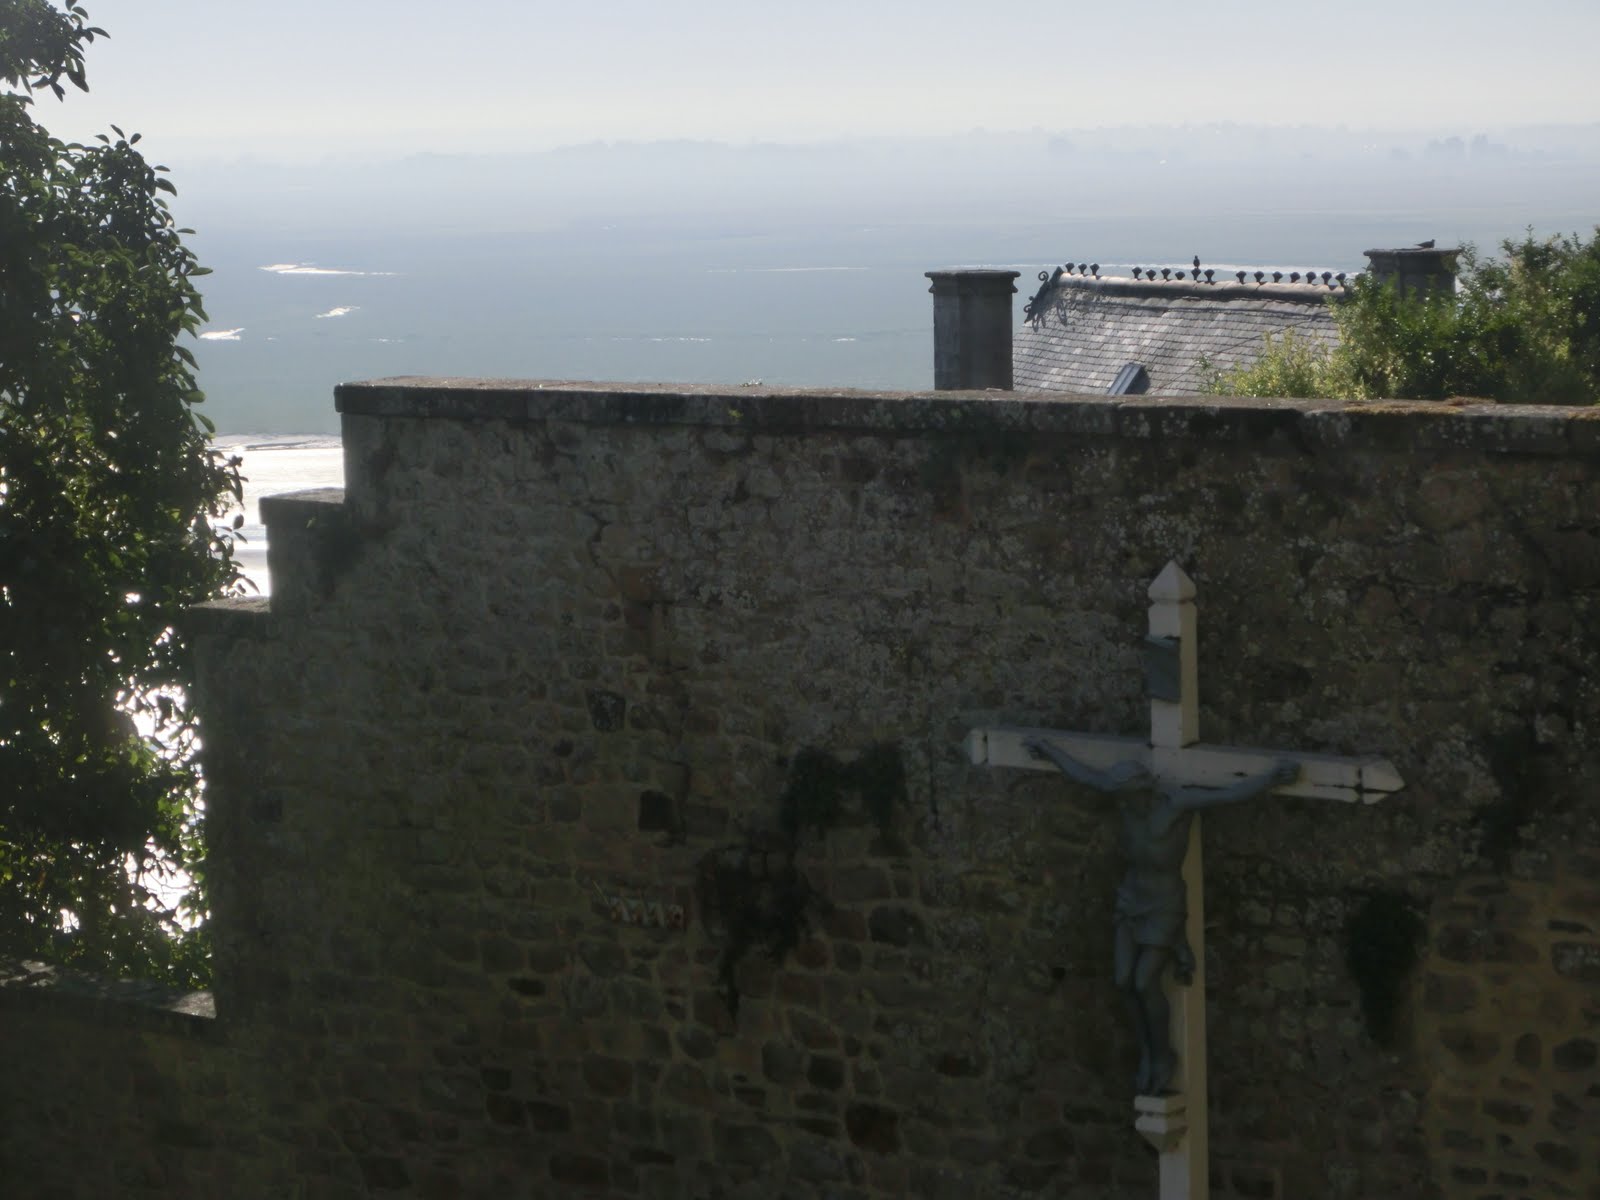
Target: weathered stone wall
(1511,997)
(116,1090)
(561,648)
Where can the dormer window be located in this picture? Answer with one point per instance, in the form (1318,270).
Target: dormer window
(1132,380)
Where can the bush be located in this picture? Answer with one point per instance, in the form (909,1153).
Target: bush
(108,491)
(1522,329)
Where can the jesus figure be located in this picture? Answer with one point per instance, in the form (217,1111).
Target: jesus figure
(1152,908)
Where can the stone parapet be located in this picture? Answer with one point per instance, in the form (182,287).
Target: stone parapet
(123,1003)
(1346,425)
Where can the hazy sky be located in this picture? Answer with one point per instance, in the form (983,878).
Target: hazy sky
(305,78)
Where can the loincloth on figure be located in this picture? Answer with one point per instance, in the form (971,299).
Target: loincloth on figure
(1158,921)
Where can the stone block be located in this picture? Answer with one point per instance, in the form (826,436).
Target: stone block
(746,1145)
(962,1064)
(1507,1112)
(580,1170)
(607,710)
(1559,1156)
(1471,1047)
(822,1127)
(1449,994)
(845,925)
(504,1110)
(606,1076)
(826,1072)
(896,926)
(818,1162)
(812,1032)
(381,1173)
(873,1127)
(1578,961)
(697,1042)
(854,884)
(1575,1054)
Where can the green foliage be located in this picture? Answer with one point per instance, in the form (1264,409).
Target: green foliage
(1521,329)
(107,493)
(1290,365)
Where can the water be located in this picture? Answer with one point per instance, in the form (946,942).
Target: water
(293,318)
(272,465)
(836,305)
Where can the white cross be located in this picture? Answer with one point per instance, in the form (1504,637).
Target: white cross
(1175,1123)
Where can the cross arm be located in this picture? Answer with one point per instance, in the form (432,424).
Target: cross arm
(1322,776)
(1284,772)
(1006,747)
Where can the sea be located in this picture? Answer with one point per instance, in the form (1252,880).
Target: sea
(290,315)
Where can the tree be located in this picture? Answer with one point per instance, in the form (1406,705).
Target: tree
(109,494)
(1521,329)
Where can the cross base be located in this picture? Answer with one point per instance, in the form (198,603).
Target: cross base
(1161,1120)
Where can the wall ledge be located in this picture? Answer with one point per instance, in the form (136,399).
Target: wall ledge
(1547,430)
(237,616)
(138,1004)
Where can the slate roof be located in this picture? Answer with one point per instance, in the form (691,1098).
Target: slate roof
(1085,330)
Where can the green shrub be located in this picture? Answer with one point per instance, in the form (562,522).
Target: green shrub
(1521,329)
(108,490)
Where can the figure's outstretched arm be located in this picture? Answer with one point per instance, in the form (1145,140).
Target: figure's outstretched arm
(1111,780)
(1286,771)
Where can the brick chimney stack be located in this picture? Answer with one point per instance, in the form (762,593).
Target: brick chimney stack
(1418,271)
(972,328)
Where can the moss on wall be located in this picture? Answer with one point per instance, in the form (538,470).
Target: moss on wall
(753,894)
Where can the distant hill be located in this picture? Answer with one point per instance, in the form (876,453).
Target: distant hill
(975,176)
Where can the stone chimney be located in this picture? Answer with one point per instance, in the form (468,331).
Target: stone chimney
(972,328)
(1418,271)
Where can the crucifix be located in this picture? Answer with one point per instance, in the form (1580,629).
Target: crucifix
(1162,785)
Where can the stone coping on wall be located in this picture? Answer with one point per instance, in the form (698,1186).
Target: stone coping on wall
(131,1003)
(1550,430)
(234,616)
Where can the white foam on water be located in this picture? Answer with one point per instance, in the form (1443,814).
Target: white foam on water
(222,335)
(342,310)
(311,269)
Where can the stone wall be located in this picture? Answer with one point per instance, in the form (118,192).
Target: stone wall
(112,1090)
(1511,998)
(577,689)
